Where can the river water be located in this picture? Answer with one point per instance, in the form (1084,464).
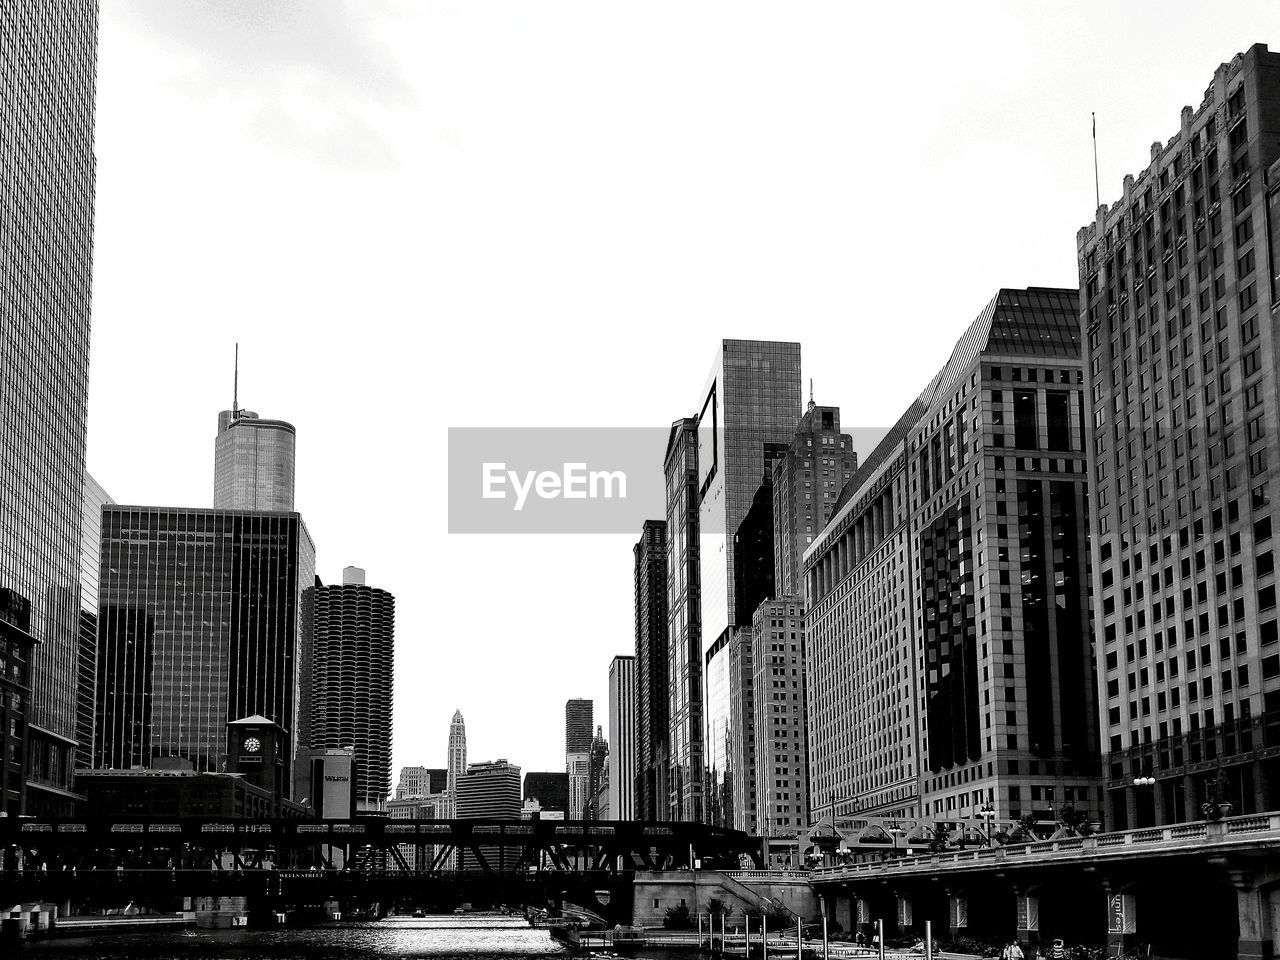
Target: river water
(439,938)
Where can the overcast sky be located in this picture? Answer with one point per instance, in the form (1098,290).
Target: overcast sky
(422,215)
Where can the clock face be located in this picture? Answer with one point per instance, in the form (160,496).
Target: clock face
(252,745)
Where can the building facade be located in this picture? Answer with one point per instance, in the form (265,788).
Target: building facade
(649,790)
(352,689)
(490,790)
(17,649)
(579,723)
(200,619)
(683,800)
(950,650)
(95,498)
(807,480)
(622,728)
(1177,294)
(48,78)
(549,789)
(597,773)
(578,716)
(253,462)
(781,732)
(421,782)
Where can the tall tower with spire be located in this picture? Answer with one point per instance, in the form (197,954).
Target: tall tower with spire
(457,752)
(253,458)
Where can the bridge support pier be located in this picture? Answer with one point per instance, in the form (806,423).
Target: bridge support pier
(957,913)
(1253,913)
(904,912)
(843,911)
(1027,905)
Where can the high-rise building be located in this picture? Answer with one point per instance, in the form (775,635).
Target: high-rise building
(578,721)
(95,498)
(200,619)
(649,790)
(421,782)
(596,773)
(747,415)
(353,656)
(683,800)
(1177,289)
(253,462)
(578,770)
(48,76)
(622,728)
(456,761)
(781,754)
(807,480)
(550,790)
(948,643)
(490,790)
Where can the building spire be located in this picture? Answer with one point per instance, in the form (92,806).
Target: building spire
(235,385)
(811,393)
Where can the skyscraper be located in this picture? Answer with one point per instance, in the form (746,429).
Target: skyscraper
(456,761)
(48,81)
(652,692)
(95,498)
(597,772)
(948,649)
(747,416)
(781,756)
(490,790)
(253,459)
(353,657)
(807,480)
(578,722)
(200,620)
(577,755)
(622,728)
(684,634)
(550,789)
(1177,293)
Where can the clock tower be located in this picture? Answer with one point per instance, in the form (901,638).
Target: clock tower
(257,749)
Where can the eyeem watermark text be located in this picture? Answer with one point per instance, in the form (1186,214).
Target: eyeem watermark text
(573,482)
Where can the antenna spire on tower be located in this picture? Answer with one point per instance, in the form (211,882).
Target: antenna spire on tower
(1097,193)
(811,393)
(235,385)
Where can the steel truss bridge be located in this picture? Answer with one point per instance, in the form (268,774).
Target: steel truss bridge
(367,844)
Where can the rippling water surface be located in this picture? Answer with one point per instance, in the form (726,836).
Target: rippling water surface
(466,938)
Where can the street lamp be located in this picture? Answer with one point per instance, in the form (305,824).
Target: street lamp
(1144,781)
(988,813)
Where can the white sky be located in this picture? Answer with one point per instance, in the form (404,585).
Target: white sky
(421,215)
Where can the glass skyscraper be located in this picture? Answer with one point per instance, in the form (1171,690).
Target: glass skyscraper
(95,498)
(253,462)
(48,67)
(201,622)
(353,656)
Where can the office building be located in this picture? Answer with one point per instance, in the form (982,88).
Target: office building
(489,791)
(181,793)
(421,782)
(622,728)
(353,656)
(652,692)
(596,773)
(683,800)
(17,647)
(456,758)
(948,649)
(95,498)
(1177,291)
(578,770)
(420,858)
(747,416)
(807,480)
(331,783)
(578,723)
(200,619)
(48,78)
(550,790)
(253,462)
(781,733)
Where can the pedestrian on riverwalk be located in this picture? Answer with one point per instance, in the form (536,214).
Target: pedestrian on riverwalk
(1011,951)
(1057,951)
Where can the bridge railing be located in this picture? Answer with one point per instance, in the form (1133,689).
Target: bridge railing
(1173,836)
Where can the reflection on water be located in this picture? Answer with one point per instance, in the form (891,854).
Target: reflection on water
(470,937)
